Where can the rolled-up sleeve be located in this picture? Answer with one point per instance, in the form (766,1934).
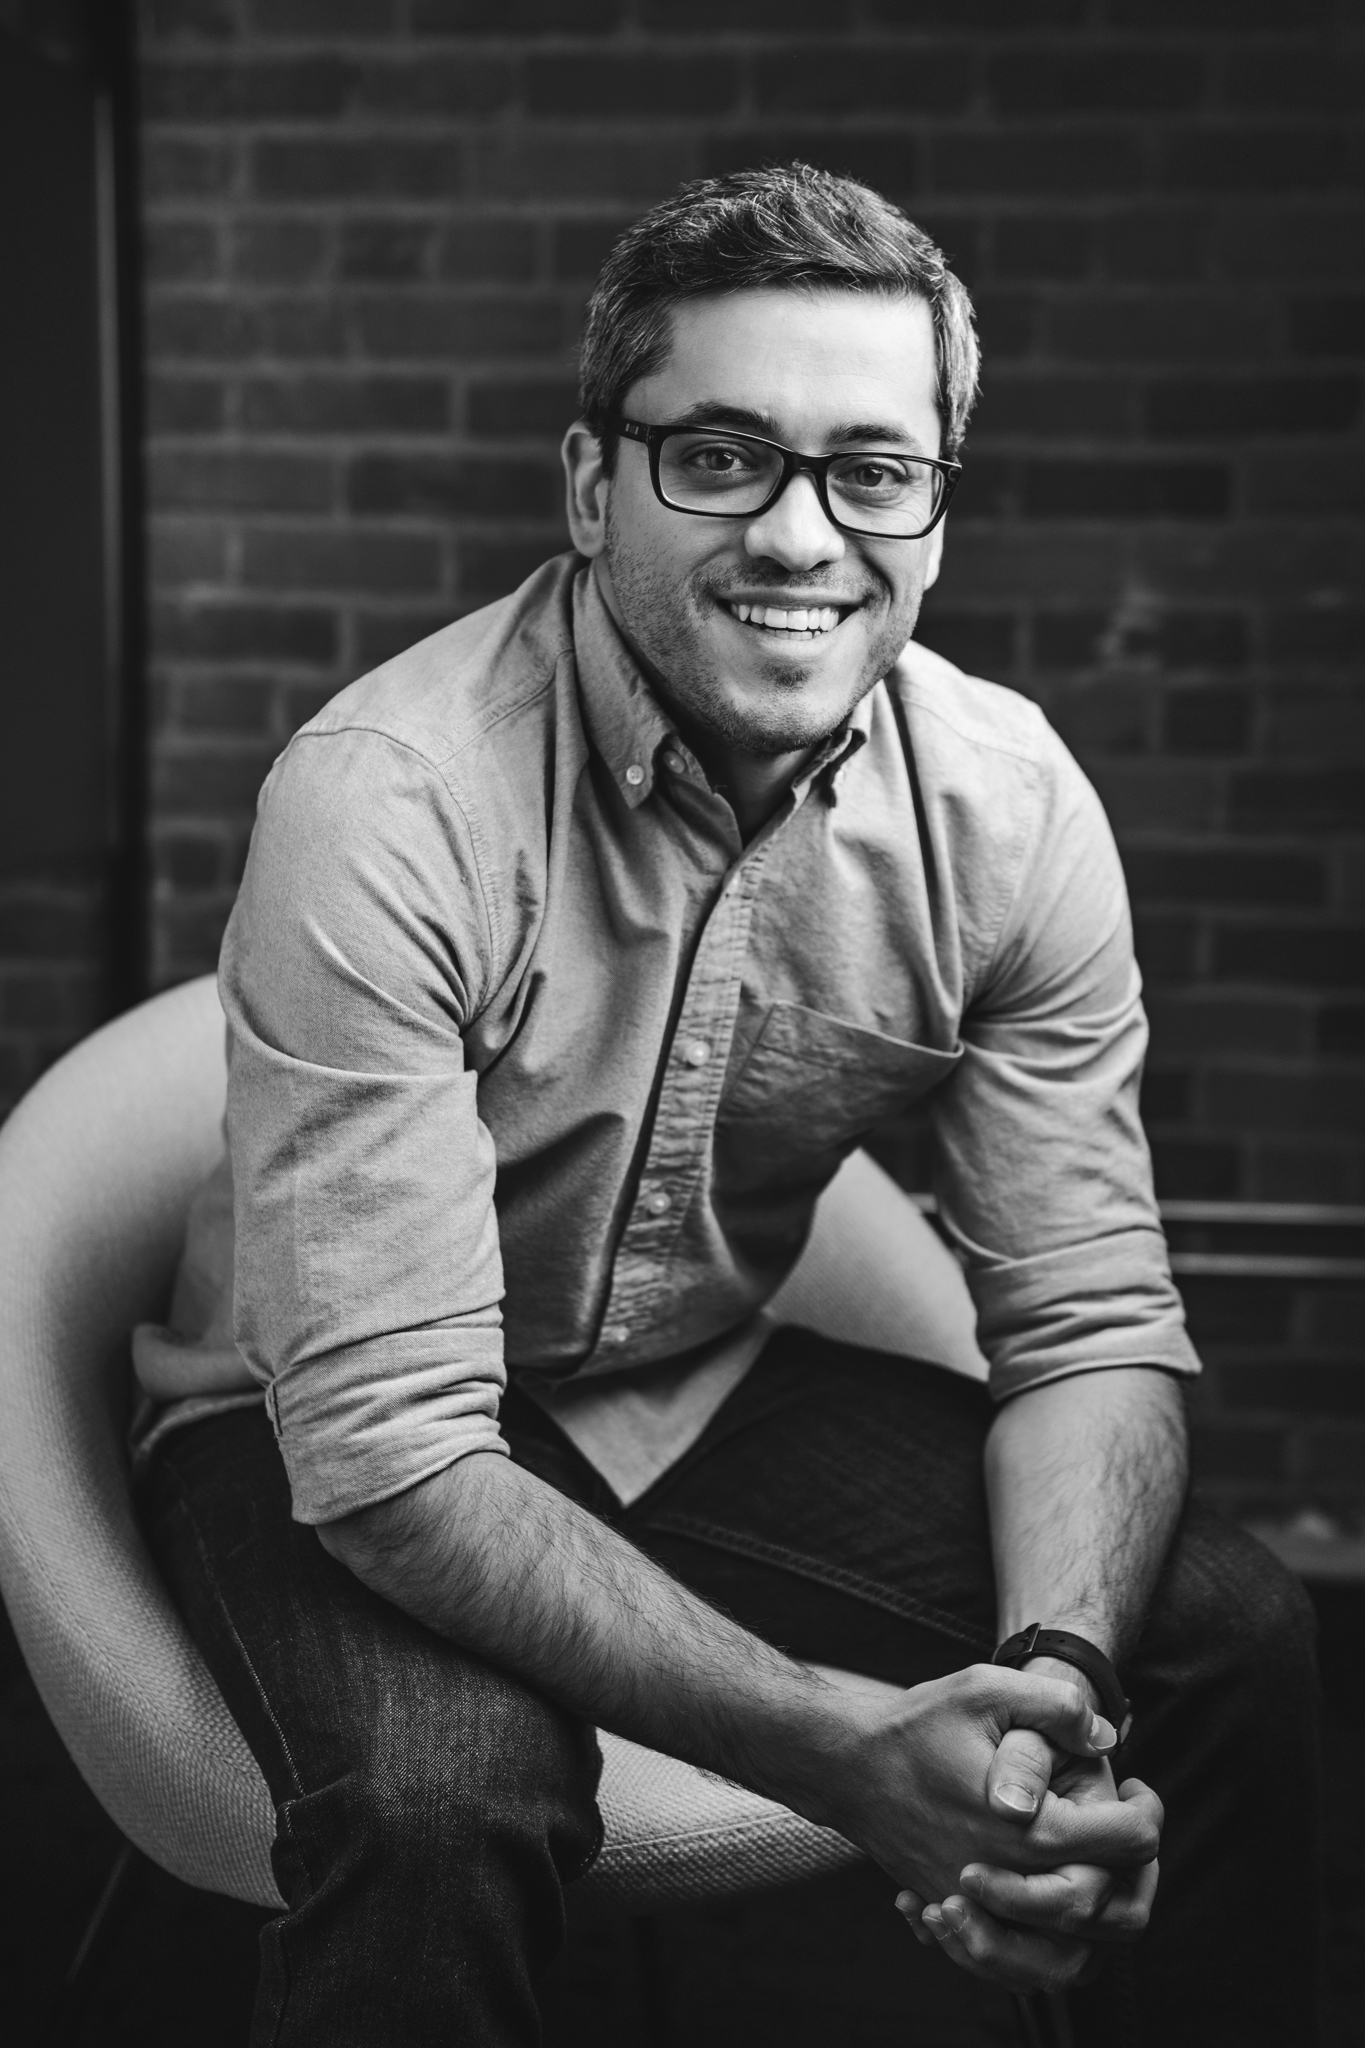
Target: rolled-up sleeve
(1044,1177)
(368,1278)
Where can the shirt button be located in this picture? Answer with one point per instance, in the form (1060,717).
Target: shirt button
(675,764)
(635,775)
(614,1333)
(696,1052)
(659,1203)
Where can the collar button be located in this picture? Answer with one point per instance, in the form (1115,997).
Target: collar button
(635,775)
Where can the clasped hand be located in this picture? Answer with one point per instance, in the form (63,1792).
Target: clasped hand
(1016,1852)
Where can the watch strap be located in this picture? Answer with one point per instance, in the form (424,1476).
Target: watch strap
(1037,1641)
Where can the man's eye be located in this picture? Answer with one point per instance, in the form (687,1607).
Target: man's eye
(717,458)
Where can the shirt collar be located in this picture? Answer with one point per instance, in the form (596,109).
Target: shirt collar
(626,722)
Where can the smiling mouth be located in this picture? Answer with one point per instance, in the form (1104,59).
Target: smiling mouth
(804,623)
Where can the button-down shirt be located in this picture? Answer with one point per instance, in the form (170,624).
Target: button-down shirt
(535,1064)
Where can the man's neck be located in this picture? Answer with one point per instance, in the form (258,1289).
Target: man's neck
(754,785)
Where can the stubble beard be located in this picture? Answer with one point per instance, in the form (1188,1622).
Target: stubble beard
(664,622)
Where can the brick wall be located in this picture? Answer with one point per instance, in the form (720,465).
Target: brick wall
(371,226)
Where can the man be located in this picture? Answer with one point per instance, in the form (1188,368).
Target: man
(576,948)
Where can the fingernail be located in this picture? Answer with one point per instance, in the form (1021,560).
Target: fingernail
(971,1880)
(933,1920)
(1018,1798)
(1103,1734)
(954,1915)
(905,1903)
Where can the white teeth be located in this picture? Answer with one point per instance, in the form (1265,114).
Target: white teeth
(808,620)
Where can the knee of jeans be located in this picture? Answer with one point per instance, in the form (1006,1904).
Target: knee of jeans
(1244,1617)
(500,1765)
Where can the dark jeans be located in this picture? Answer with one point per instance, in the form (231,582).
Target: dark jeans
(431,1807)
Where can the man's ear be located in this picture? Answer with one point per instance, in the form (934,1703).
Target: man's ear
(587,489)
(935,555)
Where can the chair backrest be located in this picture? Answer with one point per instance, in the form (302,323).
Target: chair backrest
(97,1166)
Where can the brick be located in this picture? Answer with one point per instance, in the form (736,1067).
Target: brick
(1229,1311)
(181,89)
(1165,1096)
(1145,796)
(215,21)
(1341,1030)
(1336,1452)
(423,84)
(1303,1387)
(42,1001)
(184,551)
(1225,1450)
(1238,16)
(1319,633)
(44,928)
(323,17)
(185,860)
(1007,322)
(1335,1317)
(1031,565)
(323,404)
(1158,327)
(381,635)
(299,326)
(327,167)
(219,630)
(231,706)
(386,250)
(515,17)
(1154,244)
(445,486)
(982,643)
(1277,561)
(1326,481)
(1298,1173)
(181,252)
(1074,80)
(1288,799)
(1196,1170)
(1328,956)
(1261,1099)
(862,78)
(1203,639)
(208,779)
(1328,326)
(1244,159)
(298,701)
(492,247)
(1276,79)
(490,568)
(1013,16)
(1205,406)
(1057,247)
(889,161)
(1096,718)
(781,17)
(1197,1023)
(184,405)
(1045,402)
(1110,488)
(1166,946)
(350,561)
(467,324)
(239,480)
(994,160)
(505,408)
(208,328)
(596,84)
(1222,874)
(1325,721)
(280,251)
(1207,721)
(1316,240)
(578,248)
(183,167)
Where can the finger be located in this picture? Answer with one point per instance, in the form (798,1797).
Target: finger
(1067,1901)
(1009,1956)
(911,1907)
(1020,1772)
(1116,1833)
(1019,1699)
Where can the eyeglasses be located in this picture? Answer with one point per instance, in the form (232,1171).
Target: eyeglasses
(715,474)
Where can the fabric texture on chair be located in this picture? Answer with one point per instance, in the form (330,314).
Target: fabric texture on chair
(97,1167)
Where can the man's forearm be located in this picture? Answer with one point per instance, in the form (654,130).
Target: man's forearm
(1085,1478)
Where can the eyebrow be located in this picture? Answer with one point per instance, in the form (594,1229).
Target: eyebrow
(708,412)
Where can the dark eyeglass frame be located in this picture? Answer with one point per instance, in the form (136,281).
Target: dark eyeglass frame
(817,467)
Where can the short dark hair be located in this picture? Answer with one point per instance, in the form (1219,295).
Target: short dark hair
(791,226)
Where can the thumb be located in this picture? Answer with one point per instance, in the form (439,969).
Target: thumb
(1019,1774)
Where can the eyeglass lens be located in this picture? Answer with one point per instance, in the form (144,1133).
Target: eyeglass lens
(728,475)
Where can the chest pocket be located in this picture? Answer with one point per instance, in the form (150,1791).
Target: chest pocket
(813,1085)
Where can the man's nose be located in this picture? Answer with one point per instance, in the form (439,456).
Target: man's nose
(795,531)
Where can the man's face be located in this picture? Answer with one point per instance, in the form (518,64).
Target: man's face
(819,373)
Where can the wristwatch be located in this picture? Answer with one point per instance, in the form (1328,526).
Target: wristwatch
(1037,1641)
